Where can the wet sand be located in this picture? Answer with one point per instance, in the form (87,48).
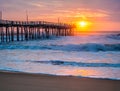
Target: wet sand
(38,82)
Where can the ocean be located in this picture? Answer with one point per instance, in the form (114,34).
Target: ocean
(95,55)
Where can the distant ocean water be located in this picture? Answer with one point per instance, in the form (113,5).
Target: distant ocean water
(95,55)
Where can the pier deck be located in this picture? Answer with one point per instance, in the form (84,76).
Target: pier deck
(21,30)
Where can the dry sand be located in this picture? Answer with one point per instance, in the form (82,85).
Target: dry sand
(36,82)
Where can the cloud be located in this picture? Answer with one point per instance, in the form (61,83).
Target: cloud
(39,5)
(86,12)
(108,9)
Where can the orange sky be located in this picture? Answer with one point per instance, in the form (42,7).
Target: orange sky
(104,14)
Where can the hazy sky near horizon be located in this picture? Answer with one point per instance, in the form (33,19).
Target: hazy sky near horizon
(104,13)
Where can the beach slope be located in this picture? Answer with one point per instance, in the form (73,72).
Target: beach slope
(36,82)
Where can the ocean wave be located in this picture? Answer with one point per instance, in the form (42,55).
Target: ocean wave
(78,64)
(92,47)
(114,36)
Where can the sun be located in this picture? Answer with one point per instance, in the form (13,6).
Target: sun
(83,24)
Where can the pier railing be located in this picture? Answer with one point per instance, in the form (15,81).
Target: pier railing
(23,30)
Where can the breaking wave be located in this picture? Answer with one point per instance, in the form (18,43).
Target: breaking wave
(78,64)
(93,47)
(114,36)
(90,47)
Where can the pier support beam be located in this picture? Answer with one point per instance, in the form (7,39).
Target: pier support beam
(20,31)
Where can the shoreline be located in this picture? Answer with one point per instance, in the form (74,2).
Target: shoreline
(14,81)
(27,73)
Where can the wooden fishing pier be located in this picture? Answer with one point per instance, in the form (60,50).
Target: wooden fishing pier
(22,30)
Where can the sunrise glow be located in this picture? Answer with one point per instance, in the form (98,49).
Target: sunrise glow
(44,10)
(83,24)
(60,45)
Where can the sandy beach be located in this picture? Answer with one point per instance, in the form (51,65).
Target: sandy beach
(38,82)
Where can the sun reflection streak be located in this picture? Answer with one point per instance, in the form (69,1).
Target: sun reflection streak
(82,72)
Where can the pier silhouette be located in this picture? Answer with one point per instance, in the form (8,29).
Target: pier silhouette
(31,30)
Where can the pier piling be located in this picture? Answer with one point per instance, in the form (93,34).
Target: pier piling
(20,30)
